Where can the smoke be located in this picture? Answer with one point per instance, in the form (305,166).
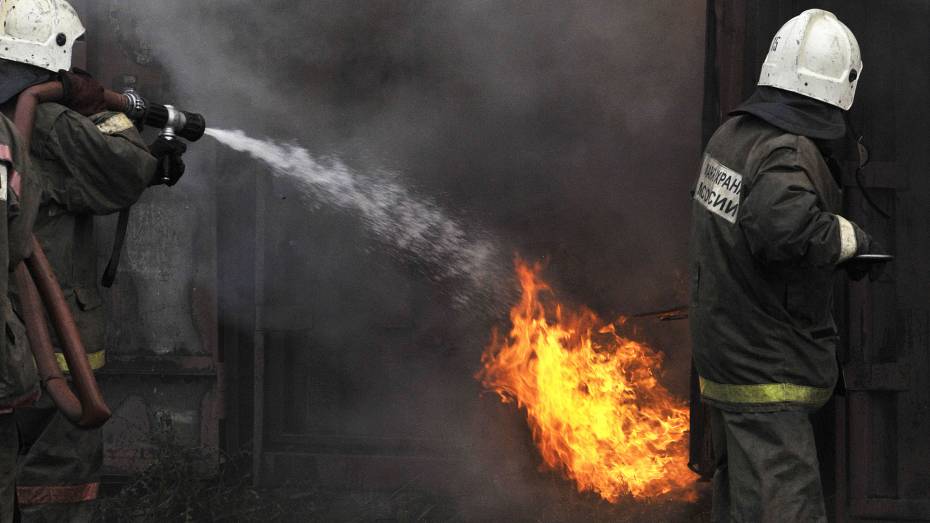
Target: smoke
(569,130)
(462,131)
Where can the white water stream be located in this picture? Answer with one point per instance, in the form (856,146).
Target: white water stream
(412,225)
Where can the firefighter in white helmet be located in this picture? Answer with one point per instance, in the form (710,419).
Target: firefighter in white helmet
(88,162)
(766,239)
(27,36)
(39,32)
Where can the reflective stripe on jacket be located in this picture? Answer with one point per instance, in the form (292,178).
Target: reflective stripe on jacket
(763,393)
(96,359)
(765,241)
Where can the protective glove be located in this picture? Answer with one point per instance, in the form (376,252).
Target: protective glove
(865,244)
(170,165)
(82,93)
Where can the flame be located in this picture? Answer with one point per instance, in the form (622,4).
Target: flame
(592,399)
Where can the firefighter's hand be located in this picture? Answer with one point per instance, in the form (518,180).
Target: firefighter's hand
(82,93)
(858,269)
(170,165)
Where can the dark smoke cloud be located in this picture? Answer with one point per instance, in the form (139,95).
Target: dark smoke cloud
(567,128)
(570,127)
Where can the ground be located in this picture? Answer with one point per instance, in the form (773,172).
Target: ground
(170,491)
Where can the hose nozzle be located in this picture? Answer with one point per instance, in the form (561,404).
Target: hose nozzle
(172,121)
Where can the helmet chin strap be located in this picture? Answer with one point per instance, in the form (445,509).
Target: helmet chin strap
(862,158)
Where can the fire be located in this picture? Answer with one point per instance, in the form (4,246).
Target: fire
(592,399)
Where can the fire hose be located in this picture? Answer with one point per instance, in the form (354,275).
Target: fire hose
(36,280)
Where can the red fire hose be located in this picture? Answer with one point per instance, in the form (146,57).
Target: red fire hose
(37,286)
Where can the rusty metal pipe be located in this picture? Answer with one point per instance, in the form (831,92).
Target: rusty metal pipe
(37,284)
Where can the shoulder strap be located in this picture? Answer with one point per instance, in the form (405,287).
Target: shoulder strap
(109,275)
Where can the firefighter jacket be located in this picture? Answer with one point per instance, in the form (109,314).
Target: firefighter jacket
(87,167)
(765,242)
(19,383)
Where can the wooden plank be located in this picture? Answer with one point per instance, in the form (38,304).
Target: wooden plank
(731,35)
(275,386)
(840,506)
(882,451)
(235,270)
(859,438)
(298,394)
(261,196)
(877,376)
(891,509)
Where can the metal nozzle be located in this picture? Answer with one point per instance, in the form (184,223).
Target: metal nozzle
(135,104)
(172,121)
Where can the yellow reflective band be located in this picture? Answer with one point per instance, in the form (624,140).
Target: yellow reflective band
(115,124)
(97,360)
(765,393)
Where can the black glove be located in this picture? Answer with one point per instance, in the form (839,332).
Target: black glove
(170,165)
(865,244)
(81,92)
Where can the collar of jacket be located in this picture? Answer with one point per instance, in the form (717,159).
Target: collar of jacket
(16,77)
(795,113)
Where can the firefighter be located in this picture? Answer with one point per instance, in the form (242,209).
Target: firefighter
(89,162)
(767,238)
(19,382)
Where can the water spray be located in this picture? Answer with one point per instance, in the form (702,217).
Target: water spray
(406,223)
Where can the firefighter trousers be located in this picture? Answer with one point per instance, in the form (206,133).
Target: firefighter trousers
(59,466)
(766,467)
(9,445)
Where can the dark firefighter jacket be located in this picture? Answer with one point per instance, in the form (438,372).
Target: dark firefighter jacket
(765,241)
(86,166)
(18,377)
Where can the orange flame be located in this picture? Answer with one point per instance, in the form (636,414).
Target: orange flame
(596,410)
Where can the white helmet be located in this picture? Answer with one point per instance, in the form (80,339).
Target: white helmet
(815,55)
(39,32)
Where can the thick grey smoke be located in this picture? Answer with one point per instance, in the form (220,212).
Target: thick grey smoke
(569,129)
(563,130)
